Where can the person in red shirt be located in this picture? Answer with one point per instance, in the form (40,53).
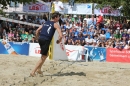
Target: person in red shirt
(118,25)
(99,19)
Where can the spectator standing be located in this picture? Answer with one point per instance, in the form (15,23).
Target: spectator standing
(24,19)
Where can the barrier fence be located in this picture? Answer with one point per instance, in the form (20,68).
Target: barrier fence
(74,53)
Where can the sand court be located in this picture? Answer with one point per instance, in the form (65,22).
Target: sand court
(15,71)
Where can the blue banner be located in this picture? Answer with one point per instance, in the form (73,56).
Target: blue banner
(18,48)
(96,53)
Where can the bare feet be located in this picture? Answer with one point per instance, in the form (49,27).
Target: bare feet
(39,71)
(32,74)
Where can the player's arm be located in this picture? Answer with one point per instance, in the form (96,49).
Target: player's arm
(61,6)
(38,31)
(57,27)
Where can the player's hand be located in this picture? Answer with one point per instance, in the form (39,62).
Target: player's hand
(57,41)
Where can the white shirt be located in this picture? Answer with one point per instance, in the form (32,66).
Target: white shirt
(88,40)
(4,40)
(103,35)
(58,5)
(68,27)
(126,47)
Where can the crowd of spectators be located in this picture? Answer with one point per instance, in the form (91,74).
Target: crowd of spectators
(77,30)
(96,31)
(14,32)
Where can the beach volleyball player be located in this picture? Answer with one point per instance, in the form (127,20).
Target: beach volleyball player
(45,34)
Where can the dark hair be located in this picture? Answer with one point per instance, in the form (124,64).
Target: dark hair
(55,15)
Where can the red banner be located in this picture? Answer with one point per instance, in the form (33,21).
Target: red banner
(116,55)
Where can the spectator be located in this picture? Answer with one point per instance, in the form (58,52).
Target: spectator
(120,46)
(30,35)
(11,34)
(84,32)
(87,43)
(70,42)
(94,43)
(26,40)
(24,35)
(18,39)
(117,34)
(118,25)
(45,17)
(108,33)
(33,40)
(73,37)
(23,19)
(127,46)
(11,39)
(81,39)
(5,40)
(68,25)
(125,36)
(89,40)
(16,34)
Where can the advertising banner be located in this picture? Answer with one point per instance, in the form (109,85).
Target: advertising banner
(34,49)
(107,11)
(78,8)
(36,7)
(74,53)
(116,55)
(16,48)
(96,53)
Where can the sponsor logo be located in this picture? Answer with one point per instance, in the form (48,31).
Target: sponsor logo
(37,50)
(88,6)
(69,51)
(38,7)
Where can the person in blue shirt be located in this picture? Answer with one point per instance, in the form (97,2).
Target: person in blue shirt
(108,34)
(73,37)
(81,39)
(105,27)
(84,32)
(91,33)
(44,34)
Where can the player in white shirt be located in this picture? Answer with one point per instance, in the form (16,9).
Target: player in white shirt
(58,6)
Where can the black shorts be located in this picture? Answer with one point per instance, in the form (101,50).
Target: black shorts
(44,45)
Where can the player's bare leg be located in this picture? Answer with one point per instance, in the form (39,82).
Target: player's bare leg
(39,68)
(38,65)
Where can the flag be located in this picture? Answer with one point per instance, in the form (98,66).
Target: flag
(52,7)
